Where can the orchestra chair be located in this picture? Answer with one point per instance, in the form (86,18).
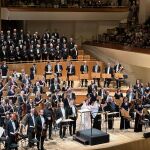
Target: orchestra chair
(84,76)
(80,57)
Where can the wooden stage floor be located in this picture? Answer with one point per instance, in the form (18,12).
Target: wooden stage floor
(119,140)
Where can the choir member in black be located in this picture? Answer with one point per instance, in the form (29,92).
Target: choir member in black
(4,70)
(48,115)
(110,106)
(12,130)
(74,52)
(124,122)
(63,114)
(51,52)
(95,110)
(40,127)
(96,69)
(58,69)
(58,53)
(2,113)
(18,54)
(118,94)
(108,70)
(138,118)
(24,53)
(117,69)
(84,70)
(30,122)
(72,114)
(65,52)
(11,54)
(3,54)
(70,72)
(31,53)
(37,52)
(45,52)
(70,45)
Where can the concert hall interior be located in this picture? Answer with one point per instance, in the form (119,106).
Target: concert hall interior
(74,74)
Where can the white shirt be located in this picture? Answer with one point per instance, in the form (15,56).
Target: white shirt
(43,121)
(13,124)
(96,68)
(63,113)
(33,119)
(74,111)
(108,69)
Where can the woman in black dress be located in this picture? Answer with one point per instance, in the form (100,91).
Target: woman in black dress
(139,112)
(124,122)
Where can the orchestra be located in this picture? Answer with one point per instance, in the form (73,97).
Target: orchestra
(24,104)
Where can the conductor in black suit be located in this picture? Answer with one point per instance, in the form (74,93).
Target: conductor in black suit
(108,70)
(70,72)
(58,69)
(62,113)
(84,70)
(96,69)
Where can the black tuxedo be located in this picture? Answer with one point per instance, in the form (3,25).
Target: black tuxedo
(84,69)
(65,53)
(4,70)
(74,118)
(45,53)
(32,72)
(70,72)
(56,100)
(107,81)
(60,69)
(96,69)
(40,132)
(54,88)
(31,122)
(3,55)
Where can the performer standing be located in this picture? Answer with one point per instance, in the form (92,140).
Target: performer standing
(72,112)
(4,70)
(139,113)
(40,130)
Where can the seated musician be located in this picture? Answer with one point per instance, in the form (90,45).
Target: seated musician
(58,69)
(84,70)
(62,113)
(11,94)
(71,94)
(72,114)
(108,70)
(12,131)
(40,129)
(55,79)
(139,116)
(96,69)
(21,101)
(30,123)
(118,69)
(29,105)
(70,71)
(55,99)
(55,87)
(124,123)
(130,94)
(37,88)
(103,94)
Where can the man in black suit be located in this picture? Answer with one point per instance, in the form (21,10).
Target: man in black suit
(4,69)
(40,130)
(70,45)
(96,69)
(71,94)
(74,52)
(117,69)
(32,71)
(56,98)
(45,52)
(84,70)
(37,52)
(70,72)
(55,87)
(72,113)
(4,54)
(11,130)
(63,114)
(92,87)
(48,115)
(108,70)
(30,122)
(58,69)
